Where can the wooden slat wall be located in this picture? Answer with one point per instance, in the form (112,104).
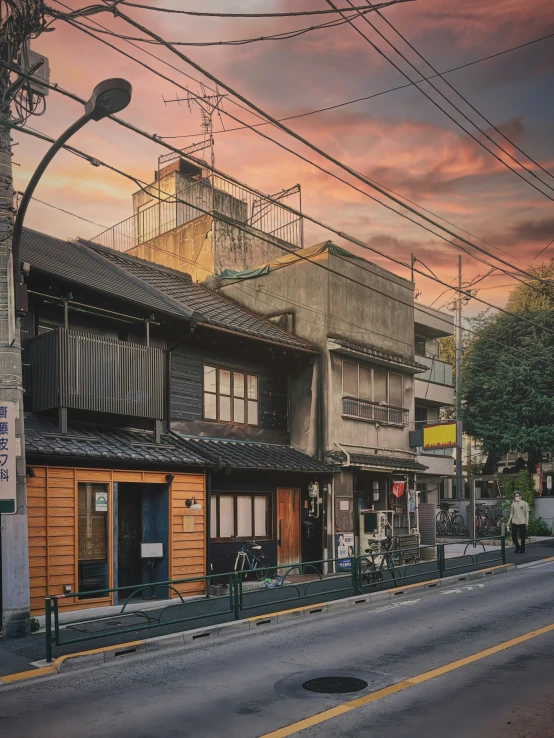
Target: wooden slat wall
(38,539)
(52,509)
(188,550)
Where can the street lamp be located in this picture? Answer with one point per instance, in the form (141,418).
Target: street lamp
(108,97)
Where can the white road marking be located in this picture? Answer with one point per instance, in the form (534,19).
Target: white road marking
(396,604)
(459,591)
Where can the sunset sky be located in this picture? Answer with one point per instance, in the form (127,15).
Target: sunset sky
(398,139)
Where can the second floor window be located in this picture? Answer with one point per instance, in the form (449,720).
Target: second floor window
(230,396)
(373,385)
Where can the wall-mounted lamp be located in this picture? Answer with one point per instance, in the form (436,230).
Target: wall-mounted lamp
(192,504)
(375,490)
(169,478)
(67,588)
(30,472)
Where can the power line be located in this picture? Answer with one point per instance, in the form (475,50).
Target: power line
(368,97)
(315,148)
(454,89)
(240,15)
(285,148)
(255,125)
(437,105)
(285,35)
(252,231)
(252,126)
(360,243)
(67,212)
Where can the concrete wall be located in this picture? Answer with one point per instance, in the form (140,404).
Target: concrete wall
(187,248)
(327,304)
(544,508)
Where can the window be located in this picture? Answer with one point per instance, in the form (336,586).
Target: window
(374,385)
(93,537)
(373,394)
(240,514)
(230,396)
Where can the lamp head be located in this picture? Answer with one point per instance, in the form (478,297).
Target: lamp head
(108,97)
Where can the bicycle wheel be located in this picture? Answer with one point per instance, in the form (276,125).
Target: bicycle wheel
(442,522)
(458,526)
(261,566)
(387,566)
(370,575)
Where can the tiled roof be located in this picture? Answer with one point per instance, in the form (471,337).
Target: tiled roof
(253,455)
(215,309)
(95,442)
(393,463)
(76,263)
(378,354)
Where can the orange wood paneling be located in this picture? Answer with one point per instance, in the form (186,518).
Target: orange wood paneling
(53,521)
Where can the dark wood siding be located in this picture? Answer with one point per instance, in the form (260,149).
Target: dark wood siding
(187,377)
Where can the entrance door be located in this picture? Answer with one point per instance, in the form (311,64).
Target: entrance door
(129,564)
(288,526)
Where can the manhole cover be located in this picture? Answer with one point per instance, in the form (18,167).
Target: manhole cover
(334,685)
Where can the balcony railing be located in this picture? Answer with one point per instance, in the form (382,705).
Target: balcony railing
(439,372)
(83,371)
(208,195)
(353,407)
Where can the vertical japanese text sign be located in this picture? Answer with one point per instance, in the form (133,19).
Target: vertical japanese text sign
(8,454)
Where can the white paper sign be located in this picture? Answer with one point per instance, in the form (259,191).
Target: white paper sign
(345,505)
(101,502)
(8,454)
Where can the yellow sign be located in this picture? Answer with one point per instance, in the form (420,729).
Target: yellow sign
(442,435)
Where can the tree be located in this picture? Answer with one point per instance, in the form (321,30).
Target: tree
(532,296)
(508,394)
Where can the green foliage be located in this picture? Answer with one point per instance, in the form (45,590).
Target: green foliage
(509,384)
(538,527)
(35,625)
(534,296)
(521,482)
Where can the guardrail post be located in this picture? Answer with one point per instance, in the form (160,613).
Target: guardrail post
(48,629)
(356,580)
(441,559)
(503,548)
(234,587)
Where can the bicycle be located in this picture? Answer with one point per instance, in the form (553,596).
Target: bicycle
(486,523)
(248,560)
(381,561)
(450,523)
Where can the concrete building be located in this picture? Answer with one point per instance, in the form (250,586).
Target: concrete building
(173,223)
(434,389)
(360,405)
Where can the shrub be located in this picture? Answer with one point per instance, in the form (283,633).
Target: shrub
(538,527)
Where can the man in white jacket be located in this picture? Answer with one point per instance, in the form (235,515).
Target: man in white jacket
(519,517)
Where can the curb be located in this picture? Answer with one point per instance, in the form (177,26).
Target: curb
(199,636)
(530,564)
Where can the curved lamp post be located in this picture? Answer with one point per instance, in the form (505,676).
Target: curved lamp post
(108,97)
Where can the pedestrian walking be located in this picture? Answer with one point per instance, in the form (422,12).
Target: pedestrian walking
(519,517)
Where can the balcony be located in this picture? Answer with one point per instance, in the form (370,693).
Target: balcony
(352,407)
(434,386)
(83,371)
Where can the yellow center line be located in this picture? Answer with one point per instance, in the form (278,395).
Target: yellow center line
(334,712)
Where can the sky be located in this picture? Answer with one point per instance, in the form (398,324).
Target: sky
(398,138)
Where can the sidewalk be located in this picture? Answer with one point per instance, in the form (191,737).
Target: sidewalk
(18,654)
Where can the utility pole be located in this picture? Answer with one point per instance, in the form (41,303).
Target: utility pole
(459,479)
(19,21)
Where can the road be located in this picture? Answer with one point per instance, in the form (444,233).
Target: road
(251,686)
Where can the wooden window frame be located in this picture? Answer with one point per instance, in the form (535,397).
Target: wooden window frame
(217,395)
(372,400)
(214,535)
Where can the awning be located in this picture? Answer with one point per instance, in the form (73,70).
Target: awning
(253,455)
(376,355)
(377,462)
(92,442)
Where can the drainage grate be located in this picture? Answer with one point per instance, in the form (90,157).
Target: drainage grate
(334,685)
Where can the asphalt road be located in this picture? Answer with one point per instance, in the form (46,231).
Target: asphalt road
(252,686)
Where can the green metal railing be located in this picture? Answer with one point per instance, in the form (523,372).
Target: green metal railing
(355,575)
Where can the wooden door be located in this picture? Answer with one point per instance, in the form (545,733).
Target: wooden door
(288,526)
